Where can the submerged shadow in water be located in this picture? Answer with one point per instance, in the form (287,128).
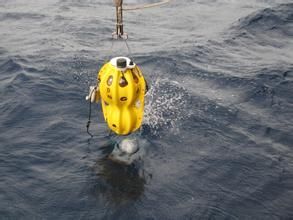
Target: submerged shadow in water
(118,183)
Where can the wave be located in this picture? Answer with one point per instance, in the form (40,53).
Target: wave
(10,66)
(269,20)
(20,16)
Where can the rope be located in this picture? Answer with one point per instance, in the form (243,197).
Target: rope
(129,50)
(89,120)
(90,114)
(110,50)
(137,7)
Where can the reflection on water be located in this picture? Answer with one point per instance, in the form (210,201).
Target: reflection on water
(119,183)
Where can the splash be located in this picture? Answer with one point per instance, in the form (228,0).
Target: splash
(82,72)
(166,105)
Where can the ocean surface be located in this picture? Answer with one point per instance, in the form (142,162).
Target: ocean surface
(218,125)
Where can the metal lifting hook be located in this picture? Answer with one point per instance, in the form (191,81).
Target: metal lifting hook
(119,21)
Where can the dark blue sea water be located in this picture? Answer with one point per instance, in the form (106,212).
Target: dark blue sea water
(218,123)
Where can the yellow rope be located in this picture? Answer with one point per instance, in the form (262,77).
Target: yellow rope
(143,6)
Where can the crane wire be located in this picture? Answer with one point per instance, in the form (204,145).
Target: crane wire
(137,7)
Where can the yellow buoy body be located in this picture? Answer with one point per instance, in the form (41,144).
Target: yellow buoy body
(122,88)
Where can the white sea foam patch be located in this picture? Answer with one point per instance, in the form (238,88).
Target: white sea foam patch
(166,105)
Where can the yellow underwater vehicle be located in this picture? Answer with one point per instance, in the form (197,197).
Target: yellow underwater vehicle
(120,88)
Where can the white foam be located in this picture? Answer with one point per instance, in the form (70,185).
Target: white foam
(166,104)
